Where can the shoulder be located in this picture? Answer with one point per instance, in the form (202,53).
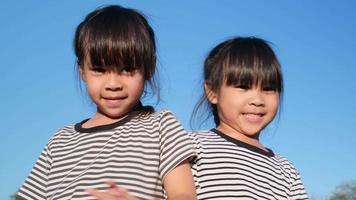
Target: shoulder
(163,120)
(286,165)
(163,116)
(205,138)
(283,161)
(164,113)
(157,114)
(67,129)
(62,133)
(203,135)
(152,118)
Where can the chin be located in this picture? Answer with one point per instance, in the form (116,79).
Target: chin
(252,133)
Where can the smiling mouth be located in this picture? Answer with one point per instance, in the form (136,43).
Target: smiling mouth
(253,117)
(114,100)
(255,114)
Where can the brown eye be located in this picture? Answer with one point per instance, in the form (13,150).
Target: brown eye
(269,90)
(100,70)
(128,70)
(242,87)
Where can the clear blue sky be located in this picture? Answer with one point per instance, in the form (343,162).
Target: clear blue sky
(315,41)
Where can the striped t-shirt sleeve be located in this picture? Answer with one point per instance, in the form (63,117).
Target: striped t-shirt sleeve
(297,188)
(175,144)
(35,186)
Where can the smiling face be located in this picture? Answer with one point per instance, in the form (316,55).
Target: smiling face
(243,112)
(114,93)
(243,85)
(116,55)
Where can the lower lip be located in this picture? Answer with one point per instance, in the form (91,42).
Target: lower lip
(253,118)
(114,101)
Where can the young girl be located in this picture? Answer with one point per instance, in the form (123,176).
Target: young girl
(125,143)
(243,87)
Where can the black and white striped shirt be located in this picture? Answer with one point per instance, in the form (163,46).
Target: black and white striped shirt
(136,152)
(226,168)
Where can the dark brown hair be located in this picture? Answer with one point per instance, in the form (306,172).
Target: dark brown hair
(242,61)
(115,37)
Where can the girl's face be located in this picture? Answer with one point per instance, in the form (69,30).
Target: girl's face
(244,112)
(114,93)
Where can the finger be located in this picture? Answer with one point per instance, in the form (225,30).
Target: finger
(95,193)
(107,195)
(114,192)
(112,184)
(126,195)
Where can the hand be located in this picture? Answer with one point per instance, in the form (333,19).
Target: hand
(113,193)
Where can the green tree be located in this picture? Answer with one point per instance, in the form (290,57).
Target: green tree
(345,191)
(15,197)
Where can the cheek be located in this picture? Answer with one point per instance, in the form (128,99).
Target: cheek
(91,92)
(93,88)
(274,103)
(140,88)
(136,86)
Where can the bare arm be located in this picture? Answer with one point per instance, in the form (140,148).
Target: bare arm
(179,183)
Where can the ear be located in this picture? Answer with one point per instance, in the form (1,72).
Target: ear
(210,94)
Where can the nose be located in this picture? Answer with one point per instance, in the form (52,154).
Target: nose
(256,98)
(114,82)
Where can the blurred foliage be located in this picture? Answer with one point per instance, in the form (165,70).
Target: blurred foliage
(15,197)
(345,191)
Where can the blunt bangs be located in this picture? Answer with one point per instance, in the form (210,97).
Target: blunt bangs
(246,62)
(252,63)
(116,41)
